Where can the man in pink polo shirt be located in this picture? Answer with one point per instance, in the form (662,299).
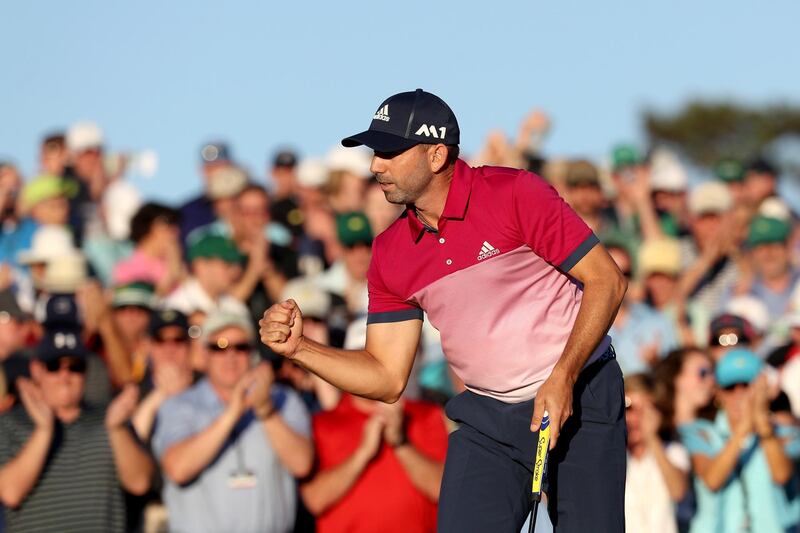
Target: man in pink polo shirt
(523,296)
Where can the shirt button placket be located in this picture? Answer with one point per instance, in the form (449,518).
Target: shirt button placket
(449,262)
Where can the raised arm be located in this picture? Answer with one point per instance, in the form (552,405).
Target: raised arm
(379,372)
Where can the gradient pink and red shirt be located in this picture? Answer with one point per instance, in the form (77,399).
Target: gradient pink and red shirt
(493,279)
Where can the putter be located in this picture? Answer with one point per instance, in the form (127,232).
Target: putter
(539,468)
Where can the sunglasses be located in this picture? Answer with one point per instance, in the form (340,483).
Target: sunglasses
(220,347)
(704,373)
(72,364)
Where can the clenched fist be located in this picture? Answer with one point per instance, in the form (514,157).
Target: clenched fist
(281,328)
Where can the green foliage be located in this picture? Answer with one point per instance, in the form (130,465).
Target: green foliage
(706,131)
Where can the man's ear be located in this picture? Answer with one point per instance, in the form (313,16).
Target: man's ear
(437,157)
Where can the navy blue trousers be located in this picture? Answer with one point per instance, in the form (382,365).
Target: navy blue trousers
(487,475)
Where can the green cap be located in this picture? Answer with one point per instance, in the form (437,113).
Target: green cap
(136,294)
(765,230)
(625,155)
(353,228)
(215,247)
(729,170)
(46,187)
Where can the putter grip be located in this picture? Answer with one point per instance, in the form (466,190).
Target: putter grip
(540,461)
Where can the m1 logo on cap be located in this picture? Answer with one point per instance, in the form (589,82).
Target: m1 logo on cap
(430,131)
(382,114)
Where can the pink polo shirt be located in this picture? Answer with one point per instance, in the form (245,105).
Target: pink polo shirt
(493,280)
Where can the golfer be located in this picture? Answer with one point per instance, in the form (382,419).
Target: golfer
(523,296)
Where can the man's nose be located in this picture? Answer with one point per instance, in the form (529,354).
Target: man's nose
(378,165)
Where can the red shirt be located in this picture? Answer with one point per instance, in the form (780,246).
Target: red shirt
(493,278)
(383,499)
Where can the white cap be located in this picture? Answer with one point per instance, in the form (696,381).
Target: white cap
(774,207)
(710,197)
(120,201)
(666,172)
(49,241)
(751,309)
(312,299)
(219,320)
(83,136)
(65,273)
(353,160)
(226,182)
(312,173)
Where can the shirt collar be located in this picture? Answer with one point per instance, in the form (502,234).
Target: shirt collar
(455,206)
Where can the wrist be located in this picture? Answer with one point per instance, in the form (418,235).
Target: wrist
(264,411)
(565,375)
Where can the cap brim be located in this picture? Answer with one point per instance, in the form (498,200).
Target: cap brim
(379,141)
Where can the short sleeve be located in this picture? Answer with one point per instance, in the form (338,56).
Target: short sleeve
(175,422)
(384,306)
(678,456)
(295,414)
(698,438)
(548,225)
(791,438)
(11,439)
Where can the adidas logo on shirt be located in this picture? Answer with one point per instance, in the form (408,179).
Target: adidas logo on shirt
(382,114)
(487,250)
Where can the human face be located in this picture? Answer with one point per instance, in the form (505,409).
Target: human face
(634,406)
(758,186)
(696,380)
(252,212)
(228,357)
(403,176)
(734,399)
(51,211)
(705,229)
(356,260)
(215,275)
(131,321)
(170,345)
(62,381)
(586,199)
(771,260)
(661,288)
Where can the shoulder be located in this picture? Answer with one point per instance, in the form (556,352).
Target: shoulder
(189,400)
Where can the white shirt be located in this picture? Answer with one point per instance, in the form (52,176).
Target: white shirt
(190,297)
(648,506)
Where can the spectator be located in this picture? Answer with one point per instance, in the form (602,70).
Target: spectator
(760,181)
(347,278)
(684,388)
(45,200)
(53,432)
(377,464)
(231,445)
(54,157)
(731,172)
(710,254)
(774,277)
(641,335)
(657,472)
(669,183)
(659,265)
(199,210)
(349,175)
(14,354)
(85,143)
(586,197)
(48,243)
(169,370)
(131,307)
(742,459)
(215,266)
(786,361)
(285,208)
(155,232)
(16,232)
(727,332)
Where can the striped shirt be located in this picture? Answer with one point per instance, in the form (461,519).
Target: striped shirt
(78,489)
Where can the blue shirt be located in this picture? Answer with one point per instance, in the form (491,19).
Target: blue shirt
(643,326)
(749,497)
(14,238)
(246,488)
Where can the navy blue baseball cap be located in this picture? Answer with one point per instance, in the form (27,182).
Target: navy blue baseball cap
(408,119)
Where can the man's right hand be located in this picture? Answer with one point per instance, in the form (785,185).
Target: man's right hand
(281,328)
(34,403)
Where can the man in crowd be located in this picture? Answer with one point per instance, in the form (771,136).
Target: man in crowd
(215,266)
(199,211)
(65,464)
(377,464)
(231,446)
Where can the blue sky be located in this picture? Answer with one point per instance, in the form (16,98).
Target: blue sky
(167,75)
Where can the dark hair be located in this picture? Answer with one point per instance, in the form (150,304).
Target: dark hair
(54,141)
(452,154)
(147,215)
(665,373)
(253,187)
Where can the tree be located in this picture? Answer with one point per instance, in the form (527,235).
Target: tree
(706,131)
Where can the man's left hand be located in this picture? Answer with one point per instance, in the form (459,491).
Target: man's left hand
(555,397)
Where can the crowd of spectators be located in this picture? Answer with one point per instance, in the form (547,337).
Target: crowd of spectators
(136,396)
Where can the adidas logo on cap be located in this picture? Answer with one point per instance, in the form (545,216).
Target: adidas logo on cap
(382,114)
